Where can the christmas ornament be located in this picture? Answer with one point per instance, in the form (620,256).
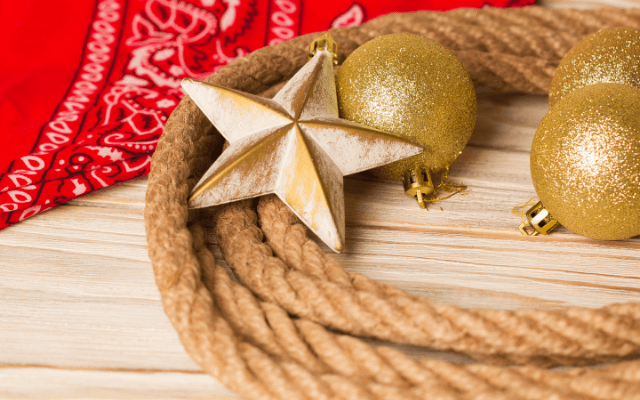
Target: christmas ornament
(585,164)
(607,56)
(294,146)
(413,87)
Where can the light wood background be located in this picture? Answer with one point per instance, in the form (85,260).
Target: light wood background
(81,316)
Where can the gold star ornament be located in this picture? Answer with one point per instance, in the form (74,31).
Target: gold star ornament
(294,146)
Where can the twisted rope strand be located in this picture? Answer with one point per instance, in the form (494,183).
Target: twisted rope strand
(269,340)
(545,337)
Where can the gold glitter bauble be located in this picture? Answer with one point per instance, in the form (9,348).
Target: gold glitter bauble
(585,161)
(414,88)
(607,56)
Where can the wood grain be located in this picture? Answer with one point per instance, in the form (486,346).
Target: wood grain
(46,383)
(82,317)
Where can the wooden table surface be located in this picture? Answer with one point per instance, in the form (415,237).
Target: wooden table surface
(82,318)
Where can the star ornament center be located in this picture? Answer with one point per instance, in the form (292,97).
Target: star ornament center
(294,146)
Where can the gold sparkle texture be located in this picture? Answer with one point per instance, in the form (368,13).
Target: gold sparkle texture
(606,56)
(585,161)
(294,146)
(412,87)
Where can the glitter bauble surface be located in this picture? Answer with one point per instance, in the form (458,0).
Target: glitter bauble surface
(412,87)
(607,56)
(585,161)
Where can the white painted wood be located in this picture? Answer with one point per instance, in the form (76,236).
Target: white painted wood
(82,318)
(78,291)
(51,383)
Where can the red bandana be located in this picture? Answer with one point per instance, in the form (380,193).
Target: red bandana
(87,86)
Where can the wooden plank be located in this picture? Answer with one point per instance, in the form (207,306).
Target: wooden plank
(507,121)
(79,291)
(122,195)
(492,268)
(55,383)
(94,231)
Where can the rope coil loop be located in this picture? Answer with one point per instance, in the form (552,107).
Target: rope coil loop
(273,333)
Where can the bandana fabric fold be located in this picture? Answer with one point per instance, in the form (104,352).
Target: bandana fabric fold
(86,87)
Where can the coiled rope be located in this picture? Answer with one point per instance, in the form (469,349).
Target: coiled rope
(283,331)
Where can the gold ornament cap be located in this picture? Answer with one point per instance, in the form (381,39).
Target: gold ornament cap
(538,221)
(606,56)
(418,184)
(585,161)
(414,88)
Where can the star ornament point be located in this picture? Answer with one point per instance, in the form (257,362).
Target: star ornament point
(294,146)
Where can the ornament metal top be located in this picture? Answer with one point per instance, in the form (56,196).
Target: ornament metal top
(294,146)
